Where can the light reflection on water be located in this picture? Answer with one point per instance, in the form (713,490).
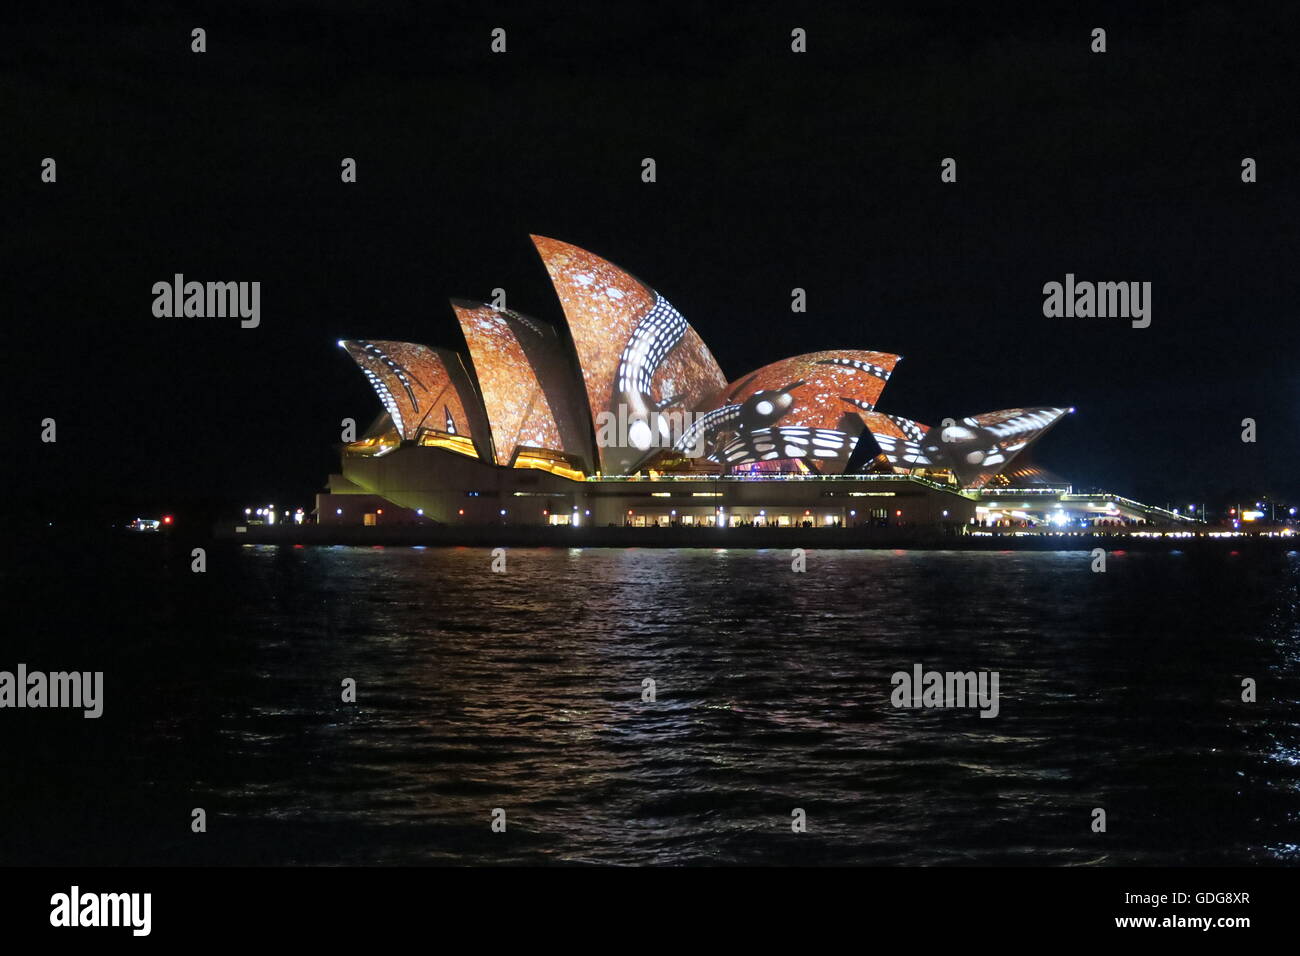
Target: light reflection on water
(523,690)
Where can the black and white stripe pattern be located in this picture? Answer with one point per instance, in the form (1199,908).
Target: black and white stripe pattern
(398,370)
(902,452)
(912,430)
(869,367)
(1033,421)
(655,336)
(789,441)
(707,425)
(386,399)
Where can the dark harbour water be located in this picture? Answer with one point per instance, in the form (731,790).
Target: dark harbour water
(522,691)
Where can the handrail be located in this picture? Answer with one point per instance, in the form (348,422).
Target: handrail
(708,478)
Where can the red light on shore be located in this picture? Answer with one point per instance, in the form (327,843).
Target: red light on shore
(898,514)
(167,519)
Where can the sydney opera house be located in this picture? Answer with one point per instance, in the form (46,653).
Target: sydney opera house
(625,418)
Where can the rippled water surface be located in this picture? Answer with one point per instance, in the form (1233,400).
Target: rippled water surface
(522,690)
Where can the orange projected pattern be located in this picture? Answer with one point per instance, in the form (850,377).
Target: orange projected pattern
(807,408)
(414,385)
(826,387)
(634,348)
(517,409)
(888,426)
(656,396)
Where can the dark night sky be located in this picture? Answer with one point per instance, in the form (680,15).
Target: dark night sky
(775,170)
